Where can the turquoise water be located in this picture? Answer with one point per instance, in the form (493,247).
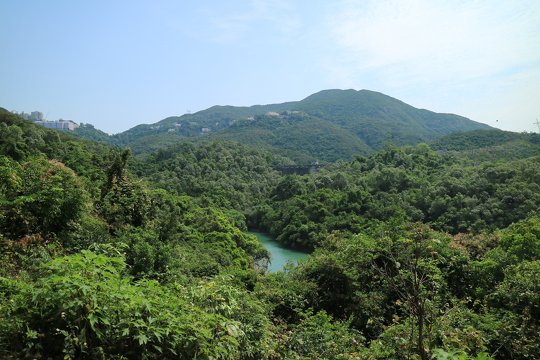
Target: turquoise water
(279,255)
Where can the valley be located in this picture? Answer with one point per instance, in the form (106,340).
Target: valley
(412,235)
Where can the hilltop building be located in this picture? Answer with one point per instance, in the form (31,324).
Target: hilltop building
(64,125)
(38,118)
(33,116)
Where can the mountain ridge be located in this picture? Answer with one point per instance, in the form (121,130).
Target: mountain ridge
(358,121)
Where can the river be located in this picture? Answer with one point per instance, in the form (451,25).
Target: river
(279,255)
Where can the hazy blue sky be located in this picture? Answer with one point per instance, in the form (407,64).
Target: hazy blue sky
(117,64)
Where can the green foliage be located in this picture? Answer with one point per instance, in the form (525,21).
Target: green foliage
(296,134)
(317,336)
(457,354)
(521,241)
(520,291)
(38,196)
(12,143)
(490,145)
(288,296)
(179,239)
(225,175)
(126,203)
(417,254)
(89,132)
(21,139)
(399,185)
(409,291)
(516,301)
(83,307)
(252,329)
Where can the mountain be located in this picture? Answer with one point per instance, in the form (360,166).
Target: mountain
(377,118)
(328,125)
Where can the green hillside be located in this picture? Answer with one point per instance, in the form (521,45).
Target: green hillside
(377,118)
(297,133)
(89,132)
(414,254)
(489,145)
(226,174)
(328,125)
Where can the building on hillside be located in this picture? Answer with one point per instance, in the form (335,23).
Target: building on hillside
(64,125)
(36,116)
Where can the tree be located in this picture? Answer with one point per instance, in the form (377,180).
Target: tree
(38,197)
(410,264)
(12,141)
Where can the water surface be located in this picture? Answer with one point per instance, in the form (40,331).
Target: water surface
(279,255)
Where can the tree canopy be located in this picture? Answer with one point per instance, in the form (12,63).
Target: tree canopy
(415,254)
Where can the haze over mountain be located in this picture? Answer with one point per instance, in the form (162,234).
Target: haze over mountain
(328,125)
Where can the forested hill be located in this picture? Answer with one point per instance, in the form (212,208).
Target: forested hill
(416,254)
(489,145)
(344,122)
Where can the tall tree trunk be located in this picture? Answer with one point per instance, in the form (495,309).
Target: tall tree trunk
(420,344)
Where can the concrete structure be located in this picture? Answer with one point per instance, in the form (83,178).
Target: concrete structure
(64,125)
(36,116)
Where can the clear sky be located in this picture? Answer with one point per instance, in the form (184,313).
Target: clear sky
(118,63)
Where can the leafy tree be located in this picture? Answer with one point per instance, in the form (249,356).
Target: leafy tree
(82,306)
(411,265)
(38,196)
(12,143)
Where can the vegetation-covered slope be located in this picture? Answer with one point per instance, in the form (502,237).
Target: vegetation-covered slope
(296,133)
(490,145)
(89,132)
(329,125)
(226,174)
(400,185)
(96,263)
(417,254)
(377,118)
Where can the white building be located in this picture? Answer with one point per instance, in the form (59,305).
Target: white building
(64,125)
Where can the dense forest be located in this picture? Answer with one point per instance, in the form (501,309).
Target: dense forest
(417,252)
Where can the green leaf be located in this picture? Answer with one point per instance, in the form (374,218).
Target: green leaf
(143,339)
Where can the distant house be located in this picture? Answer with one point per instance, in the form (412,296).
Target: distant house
(64,125)
(272,113)
(205,130)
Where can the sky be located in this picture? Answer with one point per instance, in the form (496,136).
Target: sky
(117,64)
